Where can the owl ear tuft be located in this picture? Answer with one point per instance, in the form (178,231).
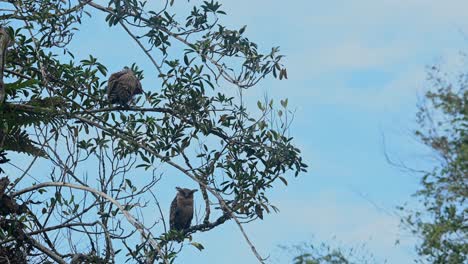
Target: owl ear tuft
(178,189)
(194,190)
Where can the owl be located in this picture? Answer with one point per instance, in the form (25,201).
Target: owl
(182,209)
(122,86)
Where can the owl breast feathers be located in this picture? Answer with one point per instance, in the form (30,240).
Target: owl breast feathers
(122,86)
(182,209)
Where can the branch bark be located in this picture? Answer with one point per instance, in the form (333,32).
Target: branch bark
(5,42)
(46,251)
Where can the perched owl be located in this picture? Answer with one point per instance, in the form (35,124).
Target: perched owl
(182,209)
(122,86)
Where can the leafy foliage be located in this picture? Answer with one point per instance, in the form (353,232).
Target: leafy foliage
(309,253)
(18,140)
(443,127)
(3,159)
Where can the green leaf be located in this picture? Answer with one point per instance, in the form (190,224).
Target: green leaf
(18,140)
(197,245)
(283,180)
(284,103)
(10,87)
(260,106)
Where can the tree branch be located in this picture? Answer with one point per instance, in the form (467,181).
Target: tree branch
(142,47)
(5,42)
(46,251)
(132,220)
(47,229)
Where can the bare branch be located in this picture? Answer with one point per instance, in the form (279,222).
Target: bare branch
(46,251)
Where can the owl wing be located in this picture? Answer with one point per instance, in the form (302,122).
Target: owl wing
(173,213)
(188,215)
(131,83)
(112,80)
(138,88)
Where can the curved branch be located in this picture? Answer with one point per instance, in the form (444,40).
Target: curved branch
(47,229)
(46,251)
(132,220)
(207,225)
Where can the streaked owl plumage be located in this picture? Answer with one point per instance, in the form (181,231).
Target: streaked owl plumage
(122,86)
(182,209)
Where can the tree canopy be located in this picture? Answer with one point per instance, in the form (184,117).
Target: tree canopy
(310,253)
(442,122)
(54,110)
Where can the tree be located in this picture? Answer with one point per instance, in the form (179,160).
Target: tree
(443,127)
(54,110)
(308,253)
(441,223)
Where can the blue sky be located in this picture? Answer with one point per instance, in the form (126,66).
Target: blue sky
(356,70)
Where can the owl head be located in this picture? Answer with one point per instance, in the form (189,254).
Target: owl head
(186,193)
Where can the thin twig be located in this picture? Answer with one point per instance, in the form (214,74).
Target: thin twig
(142,47)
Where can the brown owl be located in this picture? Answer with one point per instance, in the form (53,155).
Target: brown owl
(122,86)
(182,209)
